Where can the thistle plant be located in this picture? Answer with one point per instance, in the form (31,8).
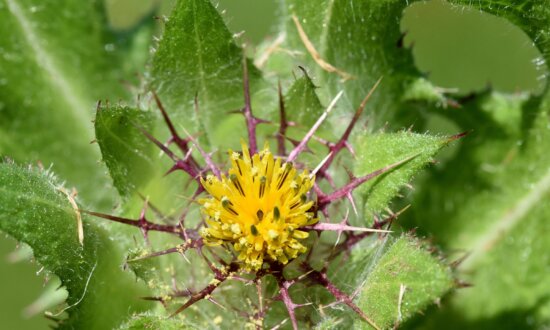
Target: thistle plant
(270,187)
(259,212)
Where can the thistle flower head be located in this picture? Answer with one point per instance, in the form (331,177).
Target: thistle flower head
(258,208)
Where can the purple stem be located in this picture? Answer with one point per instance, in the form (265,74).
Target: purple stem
(285,298)
(181,143)
(207,291)
(142,224)
(205,156)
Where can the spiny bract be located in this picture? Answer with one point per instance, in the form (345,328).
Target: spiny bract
(258,208)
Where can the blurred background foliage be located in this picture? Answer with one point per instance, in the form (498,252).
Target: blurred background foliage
(458,50)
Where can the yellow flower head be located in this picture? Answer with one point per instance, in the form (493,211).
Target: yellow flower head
(258,208)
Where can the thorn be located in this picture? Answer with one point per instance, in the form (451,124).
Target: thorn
(339,227)
(350,149)
(359,181)
(204,155)
(300,148)
(178,249)
(458,136)
(409,186)
(343,141)
(459,261)
(312,174)
(212,300)
(278,326)
(295,143)
(162,147)
(349,172)
(167,120)
(390,212)
(342,223)
(136,223)
(402,289)
(352,202)
(462,284)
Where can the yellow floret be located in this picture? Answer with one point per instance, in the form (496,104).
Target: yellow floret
(257,208)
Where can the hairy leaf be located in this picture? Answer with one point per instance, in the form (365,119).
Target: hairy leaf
(360,40)
(394,279)
(152,321)
(379,150)
(405,280)
(328,324)
(125,149)
(36,210)
(197,56)
(301,102)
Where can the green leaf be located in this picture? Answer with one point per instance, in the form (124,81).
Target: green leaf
(152,321)
(146,269)
(197,56)
(34,210)
(125,149)
(405,264)
(57,60)
(375,151)
(488,200)
(385,271)
(494,195)
(359,38)
(328,324)
(301,102)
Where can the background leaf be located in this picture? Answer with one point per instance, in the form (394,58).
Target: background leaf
(499,216)
(35,211)
(359,38)
(52,72)
(533,17)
